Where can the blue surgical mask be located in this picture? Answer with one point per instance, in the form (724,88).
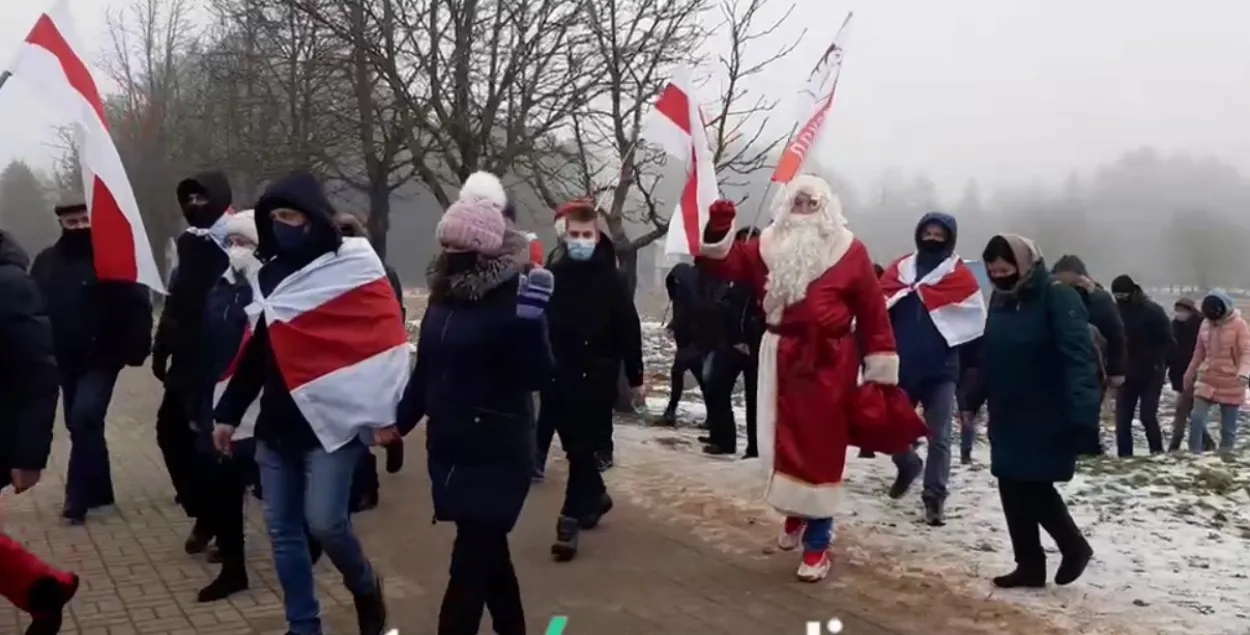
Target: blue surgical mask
(580,249)
(288,237)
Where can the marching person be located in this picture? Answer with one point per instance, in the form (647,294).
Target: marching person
(327,384)
(594,330)
(28,387)
(482,352)
(178,352)
(1039,378)
(1148,332)
(814,278)
(1186,322)
(1219,371)
(98,326)
(692,325)
(936,307)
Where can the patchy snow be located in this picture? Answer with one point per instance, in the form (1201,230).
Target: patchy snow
(1171,533)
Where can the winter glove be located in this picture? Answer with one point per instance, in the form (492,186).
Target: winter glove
(720,219)
(532,300)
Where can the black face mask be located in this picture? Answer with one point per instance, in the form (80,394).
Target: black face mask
(1006,283)
(76,241)
(931,246)
(459,261)
(199,215)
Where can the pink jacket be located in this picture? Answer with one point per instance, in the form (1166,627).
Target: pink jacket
(1221,360)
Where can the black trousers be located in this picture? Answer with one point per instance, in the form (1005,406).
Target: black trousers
(687,358)
(224,503)
(718,387)
(482,577)
(1143,391)
(1030,507)
(579,419)
(176,440)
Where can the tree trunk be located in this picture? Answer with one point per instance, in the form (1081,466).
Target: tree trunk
(379,222)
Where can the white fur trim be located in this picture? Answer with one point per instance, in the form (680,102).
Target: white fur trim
(719,250)
(243,224)
(881,368)
(484,185)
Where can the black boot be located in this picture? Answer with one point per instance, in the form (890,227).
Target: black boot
(751,453)
(907,474)
(565,547)
(592,521)
(232,579)
(715,449)
(965,457)
(934,513)
(200,536)
(1073,564)
(48,598)
(371,611)
(1032,576)
(669,418)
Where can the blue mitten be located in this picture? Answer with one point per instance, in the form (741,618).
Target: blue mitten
(535,294)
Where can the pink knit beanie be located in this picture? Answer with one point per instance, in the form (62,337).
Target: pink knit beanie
(475,221)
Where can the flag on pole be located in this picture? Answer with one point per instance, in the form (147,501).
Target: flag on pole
(816,100)
(339,340)
(51,62)
(677,125)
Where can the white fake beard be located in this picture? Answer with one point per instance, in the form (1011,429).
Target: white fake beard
(797,255)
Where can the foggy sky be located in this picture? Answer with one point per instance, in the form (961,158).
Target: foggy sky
(1006,91)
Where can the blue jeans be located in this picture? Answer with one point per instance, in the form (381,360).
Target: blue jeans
(939,411)
(1198,424)
(818,533)
(85,398)
(313,489)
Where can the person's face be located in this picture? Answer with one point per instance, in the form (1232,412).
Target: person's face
(804,204)
(934,232)
(289,217)
(1001,269)
(197,199)
(1183,314)
(1122,297)
(235,240)
(76,220)
(581,230)
(1069,277)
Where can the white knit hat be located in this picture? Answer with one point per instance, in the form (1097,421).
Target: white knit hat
(243,224)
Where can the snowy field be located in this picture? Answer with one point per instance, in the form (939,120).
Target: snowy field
(1171,533)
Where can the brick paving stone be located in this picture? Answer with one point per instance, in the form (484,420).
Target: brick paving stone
(636,575)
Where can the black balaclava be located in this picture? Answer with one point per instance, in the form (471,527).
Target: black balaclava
(1124,289)
(74,242)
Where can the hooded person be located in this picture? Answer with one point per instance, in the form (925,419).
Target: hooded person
(28,389)
(936,307)
(1040,381)
(98,326)
(814,278)
(1186,322)
(1103,314)
(324,387)
(483,351)
(1219,370)
(692,310)
(179,349)
(1148,333)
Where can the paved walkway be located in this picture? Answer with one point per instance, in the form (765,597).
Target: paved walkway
(636,574)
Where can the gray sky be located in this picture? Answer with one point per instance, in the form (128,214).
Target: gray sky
(1003,90)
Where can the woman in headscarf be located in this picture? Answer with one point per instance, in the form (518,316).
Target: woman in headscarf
(1040,380)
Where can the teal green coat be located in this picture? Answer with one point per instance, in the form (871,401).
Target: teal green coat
(1040,380)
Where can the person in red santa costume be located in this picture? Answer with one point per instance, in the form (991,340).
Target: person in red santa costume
(820,295)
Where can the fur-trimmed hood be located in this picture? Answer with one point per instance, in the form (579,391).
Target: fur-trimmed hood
(470,285)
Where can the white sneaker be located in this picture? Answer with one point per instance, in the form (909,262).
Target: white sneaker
(815,566)
(791,535)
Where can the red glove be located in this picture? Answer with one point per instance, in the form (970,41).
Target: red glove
(721,217)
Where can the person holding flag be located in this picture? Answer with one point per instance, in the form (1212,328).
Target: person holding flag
(937,310)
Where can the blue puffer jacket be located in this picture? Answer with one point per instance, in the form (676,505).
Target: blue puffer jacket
(477,365)
(225,322)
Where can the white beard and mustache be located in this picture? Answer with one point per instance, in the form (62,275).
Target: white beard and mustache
(799,251)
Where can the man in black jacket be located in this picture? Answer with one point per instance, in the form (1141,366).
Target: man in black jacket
(98,327)
(594,330)
(28,386)
(1102,310)
(1186,320)
(694,315)
(177,355)
(1148,332)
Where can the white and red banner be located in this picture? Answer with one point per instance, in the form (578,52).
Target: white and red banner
(247,427)
(816,102)
(677,125)
(950,292)
(51,62)
(338,337)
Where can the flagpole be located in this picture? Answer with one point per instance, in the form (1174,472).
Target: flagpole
(759,209)
(4,77)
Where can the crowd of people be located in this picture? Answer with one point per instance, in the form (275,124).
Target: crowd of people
(283,355)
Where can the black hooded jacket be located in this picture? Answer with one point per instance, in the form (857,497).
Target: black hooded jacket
(1186,334)
(1148,332)
(95,323)
(593,323)
(201,261)
(1103,314)
(28,374)
(280,424)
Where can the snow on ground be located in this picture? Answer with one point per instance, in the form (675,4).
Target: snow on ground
(1171,533)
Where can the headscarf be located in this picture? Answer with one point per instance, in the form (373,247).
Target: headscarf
(1025,254)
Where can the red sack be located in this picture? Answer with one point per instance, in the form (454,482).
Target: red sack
(882,419)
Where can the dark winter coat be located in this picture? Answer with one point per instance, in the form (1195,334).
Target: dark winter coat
(280,424)
(477,365)
(1040,379)
(925,358)
(225,322)
(594,325)
(742,316)
(28,374)
(699,306)
(1105,317)
(201,261)
(1185,332)
(95,323)
(1148,332)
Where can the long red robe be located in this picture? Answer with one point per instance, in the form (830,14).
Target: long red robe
(809,367)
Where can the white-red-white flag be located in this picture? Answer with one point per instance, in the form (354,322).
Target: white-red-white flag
(815,103)
(339,340)
(51,62)
(677,125)
(247,427)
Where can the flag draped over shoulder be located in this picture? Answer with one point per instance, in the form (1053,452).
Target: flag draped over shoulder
(50,61)
(338,337)
(950,293)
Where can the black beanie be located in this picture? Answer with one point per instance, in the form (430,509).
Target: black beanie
(1124,284)
(69,208)
(1069,263)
